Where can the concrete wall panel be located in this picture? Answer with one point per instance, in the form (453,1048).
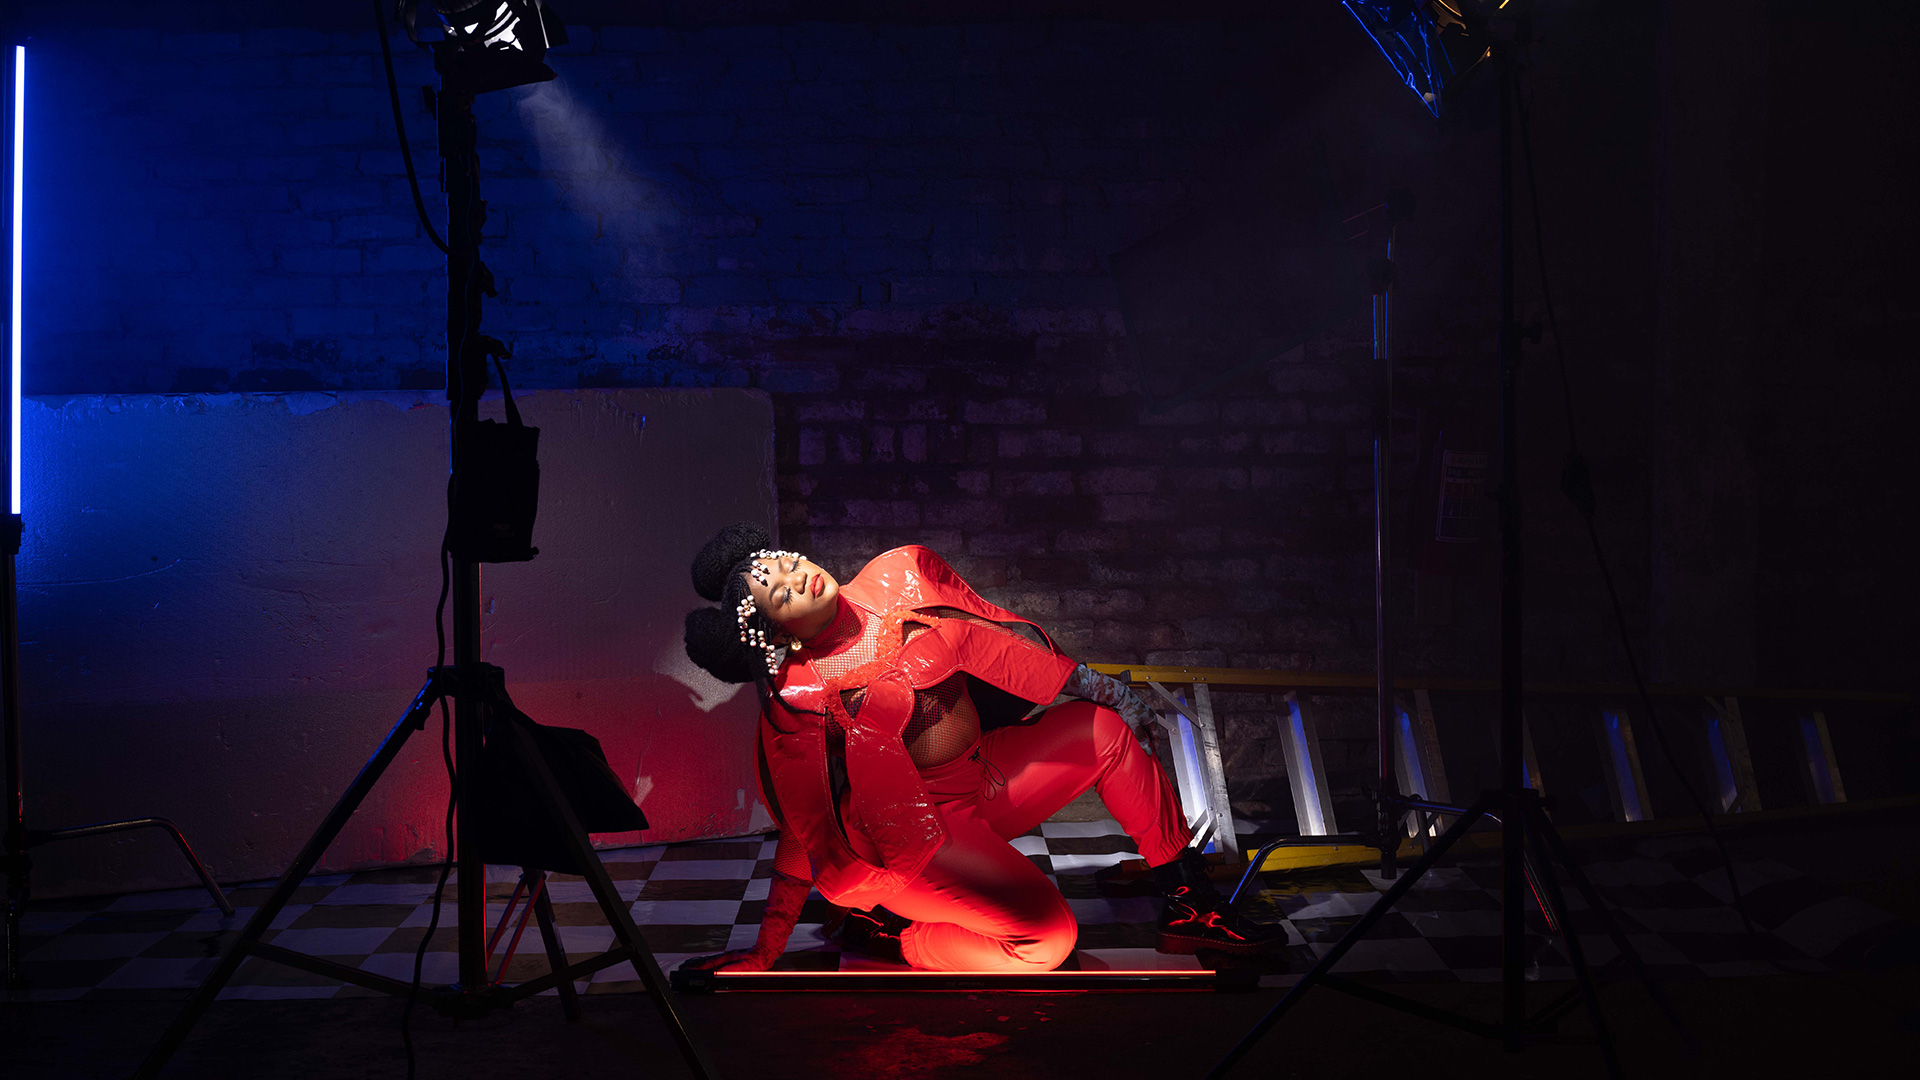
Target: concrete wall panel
(227,601)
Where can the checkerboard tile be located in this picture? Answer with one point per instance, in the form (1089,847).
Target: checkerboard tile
(1669,896)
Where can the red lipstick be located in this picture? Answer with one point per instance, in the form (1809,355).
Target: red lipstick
(819,584)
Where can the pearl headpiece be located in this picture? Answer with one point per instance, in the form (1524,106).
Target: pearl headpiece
(758,572)
(751,636)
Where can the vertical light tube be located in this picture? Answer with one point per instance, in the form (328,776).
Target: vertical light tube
(13,322)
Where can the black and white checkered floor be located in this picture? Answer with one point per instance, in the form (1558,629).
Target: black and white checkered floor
(1670,895)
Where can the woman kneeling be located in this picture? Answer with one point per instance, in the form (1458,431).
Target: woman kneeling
(873,762)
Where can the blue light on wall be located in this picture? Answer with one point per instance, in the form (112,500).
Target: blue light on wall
(13,322)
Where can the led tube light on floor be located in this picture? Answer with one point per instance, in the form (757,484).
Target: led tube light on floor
(708,982)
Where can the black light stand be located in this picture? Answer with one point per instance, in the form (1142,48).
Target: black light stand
(1391,806)
(18,839)
(482,713)
(1399,205)
(1527,836)
(1388,802)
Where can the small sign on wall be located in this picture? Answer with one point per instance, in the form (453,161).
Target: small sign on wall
(1463,481)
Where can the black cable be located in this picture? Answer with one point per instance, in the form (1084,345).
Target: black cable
(440,609)
(1577,484)
(400,128)
(440,660)
(440,624)
(446,865)
(439,890)
(446,573)
(469,322)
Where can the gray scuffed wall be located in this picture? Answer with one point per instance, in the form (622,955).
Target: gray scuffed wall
(228,600)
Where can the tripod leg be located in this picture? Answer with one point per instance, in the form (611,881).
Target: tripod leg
(283,890)
(1351,937)
(1536,869)
(1558,848)
(17,894)
(615,909)
(199,868)
(557,956)
(1575,954)
(179,839)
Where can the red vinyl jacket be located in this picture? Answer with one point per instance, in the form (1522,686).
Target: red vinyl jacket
(885,797)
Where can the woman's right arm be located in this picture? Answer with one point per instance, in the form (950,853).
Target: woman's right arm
(785,897)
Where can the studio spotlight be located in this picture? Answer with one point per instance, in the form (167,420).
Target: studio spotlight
(489,44)
(1435,45)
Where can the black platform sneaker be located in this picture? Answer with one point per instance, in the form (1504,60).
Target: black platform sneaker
(1196,917)
(874,933)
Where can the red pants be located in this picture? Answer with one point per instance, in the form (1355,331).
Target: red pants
(982,906)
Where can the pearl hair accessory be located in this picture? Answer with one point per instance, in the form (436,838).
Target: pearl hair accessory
(750,636)
(753,637)
(758,572)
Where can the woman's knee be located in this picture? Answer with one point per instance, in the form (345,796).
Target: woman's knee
(1051,941)
(1037,934)
(1041,932)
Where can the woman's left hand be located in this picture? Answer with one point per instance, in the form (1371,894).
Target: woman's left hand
(754,959)
(1137,713)
(1112,693)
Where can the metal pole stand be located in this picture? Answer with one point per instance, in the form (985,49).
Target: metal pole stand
(482,713)
(19,839)
(1529,845)
(477,689)
(1390,806)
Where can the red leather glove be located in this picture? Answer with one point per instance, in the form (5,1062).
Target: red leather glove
(784,901)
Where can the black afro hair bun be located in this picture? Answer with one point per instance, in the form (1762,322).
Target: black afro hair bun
(718,558)
(713,642)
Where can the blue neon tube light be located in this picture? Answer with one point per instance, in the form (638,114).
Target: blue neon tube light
(19,206)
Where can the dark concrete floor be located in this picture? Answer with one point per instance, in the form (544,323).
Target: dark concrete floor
(1784,1026)
(1805,1025)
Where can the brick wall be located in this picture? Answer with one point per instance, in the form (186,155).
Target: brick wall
(904,233)
(901,231)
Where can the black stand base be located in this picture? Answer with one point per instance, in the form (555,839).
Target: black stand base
(1387,845)
(1516,1029)
(1390,809)
(19,866)
(479,687)
(18,839)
